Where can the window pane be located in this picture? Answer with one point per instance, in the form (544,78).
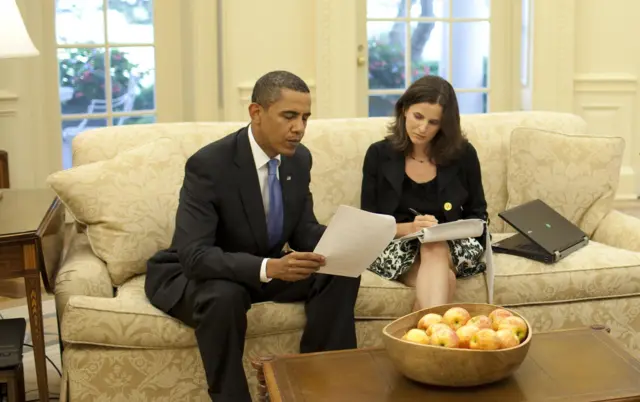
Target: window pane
(130,21)
(472,102)
(133,78)
(386,8)
(524,44)
(430,8)
(470,61)
(386,55)
(471,8)
(79,21)
(82,80)
(70,129)
(382,105)
(128,120)
(429,49)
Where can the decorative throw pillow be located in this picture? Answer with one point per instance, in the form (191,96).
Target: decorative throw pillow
(127,203)
(577,175)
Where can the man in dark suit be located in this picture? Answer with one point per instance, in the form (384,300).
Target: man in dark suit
(242,199)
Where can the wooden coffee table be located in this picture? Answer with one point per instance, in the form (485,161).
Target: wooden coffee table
(573,365)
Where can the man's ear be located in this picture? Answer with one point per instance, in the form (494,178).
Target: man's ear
(255,112)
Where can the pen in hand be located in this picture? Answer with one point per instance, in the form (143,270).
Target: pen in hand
(416,213)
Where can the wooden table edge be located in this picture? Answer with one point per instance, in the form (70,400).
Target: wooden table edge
(269,391)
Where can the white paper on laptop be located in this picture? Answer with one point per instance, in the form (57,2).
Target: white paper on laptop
(460,229)
(353,240)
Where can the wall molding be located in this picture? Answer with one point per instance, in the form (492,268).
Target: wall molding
(8,103)
(605,82)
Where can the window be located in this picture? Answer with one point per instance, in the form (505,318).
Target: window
(106,59)
(408,39)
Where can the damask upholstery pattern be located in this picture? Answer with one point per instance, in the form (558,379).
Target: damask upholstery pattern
(120,348)
(575,175)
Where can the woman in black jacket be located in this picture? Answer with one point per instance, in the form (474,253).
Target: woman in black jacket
(425,172)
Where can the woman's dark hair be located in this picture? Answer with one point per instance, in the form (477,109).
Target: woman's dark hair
(449,141)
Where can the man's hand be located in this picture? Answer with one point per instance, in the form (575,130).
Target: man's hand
(294,266)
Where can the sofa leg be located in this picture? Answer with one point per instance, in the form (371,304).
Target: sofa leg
(258,364)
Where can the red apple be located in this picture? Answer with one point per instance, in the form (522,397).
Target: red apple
(498,315)
(445,338)
(516,324)
(428,320)
(436,327)
(485,339)
(417,336)
(507,338)
(464,335)
(456,317)
(480,321)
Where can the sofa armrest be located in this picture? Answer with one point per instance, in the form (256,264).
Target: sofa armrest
(619,230)
(81,273)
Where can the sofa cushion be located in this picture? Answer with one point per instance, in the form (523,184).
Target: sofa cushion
(575,175)
(128,203)
(129,320)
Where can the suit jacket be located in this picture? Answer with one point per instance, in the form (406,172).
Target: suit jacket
(221,229)
(459,183)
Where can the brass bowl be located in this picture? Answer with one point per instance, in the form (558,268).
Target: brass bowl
(450,367)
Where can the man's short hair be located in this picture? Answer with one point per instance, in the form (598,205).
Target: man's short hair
(267,89)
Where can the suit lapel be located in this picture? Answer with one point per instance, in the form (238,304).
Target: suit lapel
(250,191)
(287,183)
(394,171)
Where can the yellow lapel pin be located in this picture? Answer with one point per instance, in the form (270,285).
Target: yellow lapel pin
(447,206)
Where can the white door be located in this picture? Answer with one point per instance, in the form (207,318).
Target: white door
(108,63)
(468,42)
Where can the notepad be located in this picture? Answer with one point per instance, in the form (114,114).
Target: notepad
(460,229)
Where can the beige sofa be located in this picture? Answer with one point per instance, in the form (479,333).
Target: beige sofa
(120,348)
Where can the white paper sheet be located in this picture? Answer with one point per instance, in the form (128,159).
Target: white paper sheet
(353,240)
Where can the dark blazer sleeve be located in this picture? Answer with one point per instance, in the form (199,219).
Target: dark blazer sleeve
(476,204)
(308,231)
(196,227)
(369,191)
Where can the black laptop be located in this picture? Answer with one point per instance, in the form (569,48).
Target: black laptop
(543,234)
(11,341)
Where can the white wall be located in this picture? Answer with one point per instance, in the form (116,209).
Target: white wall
(587,61)
(260,36)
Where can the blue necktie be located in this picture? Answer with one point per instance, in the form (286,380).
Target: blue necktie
(275,216)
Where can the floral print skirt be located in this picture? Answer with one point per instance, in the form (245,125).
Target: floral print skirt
(399,256)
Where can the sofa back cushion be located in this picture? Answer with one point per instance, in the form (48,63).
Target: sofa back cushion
(338,147)
(577,175)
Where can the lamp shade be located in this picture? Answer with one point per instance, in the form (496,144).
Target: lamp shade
(14,38)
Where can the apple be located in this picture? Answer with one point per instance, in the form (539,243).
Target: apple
(445,338)
(498,315)
(464,335)
(456,317)
(507,338)
(417,336)
(480,321)
(516,324)
(485,339)
(428,320)
(438,326)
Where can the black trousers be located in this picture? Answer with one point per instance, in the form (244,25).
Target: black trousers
(217,310)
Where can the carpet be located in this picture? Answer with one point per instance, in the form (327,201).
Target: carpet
(52,348)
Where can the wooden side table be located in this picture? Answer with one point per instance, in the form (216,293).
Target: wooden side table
(31,241)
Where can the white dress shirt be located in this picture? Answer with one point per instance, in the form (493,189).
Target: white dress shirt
(261,160)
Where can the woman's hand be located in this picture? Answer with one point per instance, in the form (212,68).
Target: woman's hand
(423,221)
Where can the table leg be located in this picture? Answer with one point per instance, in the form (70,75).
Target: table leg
(258,364)
(34,304)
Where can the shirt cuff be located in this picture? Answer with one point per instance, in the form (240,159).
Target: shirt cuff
(263,271)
